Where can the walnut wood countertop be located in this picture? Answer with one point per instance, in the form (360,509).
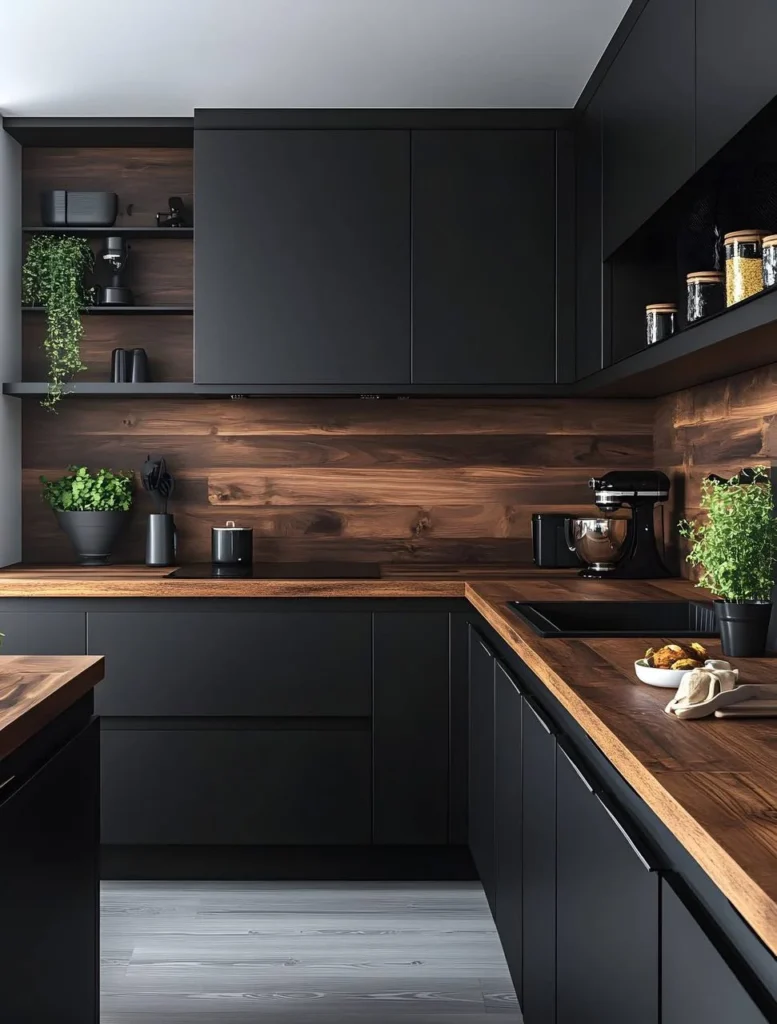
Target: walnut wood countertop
(442,581)
(35,690)
(712,782)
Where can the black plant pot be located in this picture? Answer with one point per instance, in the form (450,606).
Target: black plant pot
(744,627)
(92,534)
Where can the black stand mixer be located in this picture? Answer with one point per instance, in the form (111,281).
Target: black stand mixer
(640,491)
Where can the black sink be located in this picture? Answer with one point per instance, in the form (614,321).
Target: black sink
(619,618)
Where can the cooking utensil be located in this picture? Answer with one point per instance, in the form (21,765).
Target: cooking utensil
(158,482)
(231,544)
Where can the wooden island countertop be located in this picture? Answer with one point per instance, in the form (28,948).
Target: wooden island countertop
(34,690)
(713,782)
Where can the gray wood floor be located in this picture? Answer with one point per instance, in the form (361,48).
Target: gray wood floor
(312,953)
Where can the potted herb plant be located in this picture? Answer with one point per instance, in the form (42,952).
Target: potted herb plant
(53,277)
(735,547)
(91,508)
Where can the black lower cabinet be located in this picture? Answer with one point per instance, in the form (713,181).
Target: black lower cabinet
(481,764)
(508,818)
(698,983)
(236,787)
(36,632)
(539,867)
(49,887)
(607,915)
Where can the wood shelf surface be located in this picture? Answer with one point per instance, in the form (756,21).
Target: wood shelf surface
(124,310)
(148,231)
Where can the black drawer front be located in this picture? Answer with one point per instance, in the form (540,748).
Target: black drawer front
(233,663)
(36,632)
(228,787)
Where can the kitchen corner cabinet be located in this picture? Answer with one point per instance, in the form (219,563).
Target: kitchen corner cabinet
(49,885)
(648,109)
(607,909)
(302,261)
(481,764)
(484,257)
(736,73)
(539,867)
(508,789)
(698,984)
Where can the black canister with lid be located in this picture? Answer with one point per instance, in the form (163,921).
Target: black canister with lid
(231,544)
(660,321)
(706,294)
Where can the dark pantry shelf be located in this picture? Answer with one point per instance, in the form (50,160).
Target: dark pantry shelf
(124,310)
(124,232)
(741,338)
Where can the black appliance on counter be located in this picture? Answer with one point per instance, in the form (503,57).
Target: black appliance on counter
(549,533)
(278,571)
(640,491)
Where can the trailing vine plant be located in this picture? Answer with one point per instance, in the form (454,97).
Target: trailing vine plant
(53,277)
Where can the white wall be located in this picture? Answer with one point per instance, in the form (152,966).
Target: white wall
(10,348)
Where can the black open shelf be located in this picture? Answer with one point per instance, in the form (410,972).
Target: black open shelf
(150,231)
(124,310)
(172,389)
(740,338)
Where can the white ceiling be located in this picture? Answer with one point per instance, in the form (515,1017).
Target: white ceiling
(165,57)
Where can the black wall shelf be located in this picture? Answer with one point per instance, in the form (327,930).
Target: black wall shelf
(125,310)
(121,231)
(388,392)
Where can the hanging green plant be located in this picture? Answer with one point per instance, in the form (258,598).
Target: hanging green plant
(53,277)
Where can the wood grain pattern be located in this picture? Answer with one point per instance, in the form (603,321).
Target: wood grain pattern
(712,782)
(421,481)
(713,428)
(34,690)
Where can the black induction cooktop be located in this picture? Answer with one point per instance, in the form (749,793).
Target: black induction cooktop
(279,571)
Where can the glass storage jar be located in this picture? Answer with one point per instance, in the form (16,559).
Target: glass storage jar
(770,261)
(706,294)
(744,268)
(660,321)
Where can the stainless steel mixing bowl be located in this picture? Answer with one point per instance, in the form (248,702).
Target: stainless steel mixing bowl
(598,542)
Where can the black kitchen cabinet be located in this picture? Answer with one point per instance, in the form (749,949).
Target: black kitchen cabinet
(410,728)
(591,340)
(698,983)
(49,887)
(607,908)
(236,786)
(302,262)
(481,764)
(539,867)
(37,632)
(484,257)
(508,817)
(233,663)
(648,110)
(736,74)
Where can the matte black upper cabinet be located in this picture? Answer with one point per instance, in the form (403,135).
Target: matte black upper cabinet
(302,262)
(648,118)
(736,73)
(484,245)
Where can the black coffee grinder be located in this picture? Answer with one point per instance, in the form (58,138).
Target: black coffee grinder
(641,491)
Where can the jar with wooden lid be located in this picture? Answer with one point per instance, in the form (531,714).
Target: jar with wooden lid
(660,321)
(706,294)
(744,267)
(770,261)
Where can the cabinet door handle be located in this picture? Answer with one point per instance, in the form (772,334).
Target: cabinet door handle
(530,704)
(577,770)
(509,678)
(488,650)
(635,846)
(7,782)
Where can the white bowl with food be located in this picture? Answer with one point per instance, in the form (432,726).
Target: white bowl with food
(666,666)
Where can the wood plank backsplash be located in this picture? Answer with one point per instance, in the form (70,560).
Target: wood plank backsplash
(713,428)
(388,480)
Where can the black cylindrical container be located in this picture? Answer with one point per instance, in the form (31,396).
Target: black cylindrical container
(139,373)
(120,366)
(160,539)
(744,628)
(231,545)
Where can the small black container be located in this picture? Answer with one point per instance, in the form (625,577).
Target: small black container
(121,366)
(92,534)
(549,542)
(231,545)
(744,628)
(160,539)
